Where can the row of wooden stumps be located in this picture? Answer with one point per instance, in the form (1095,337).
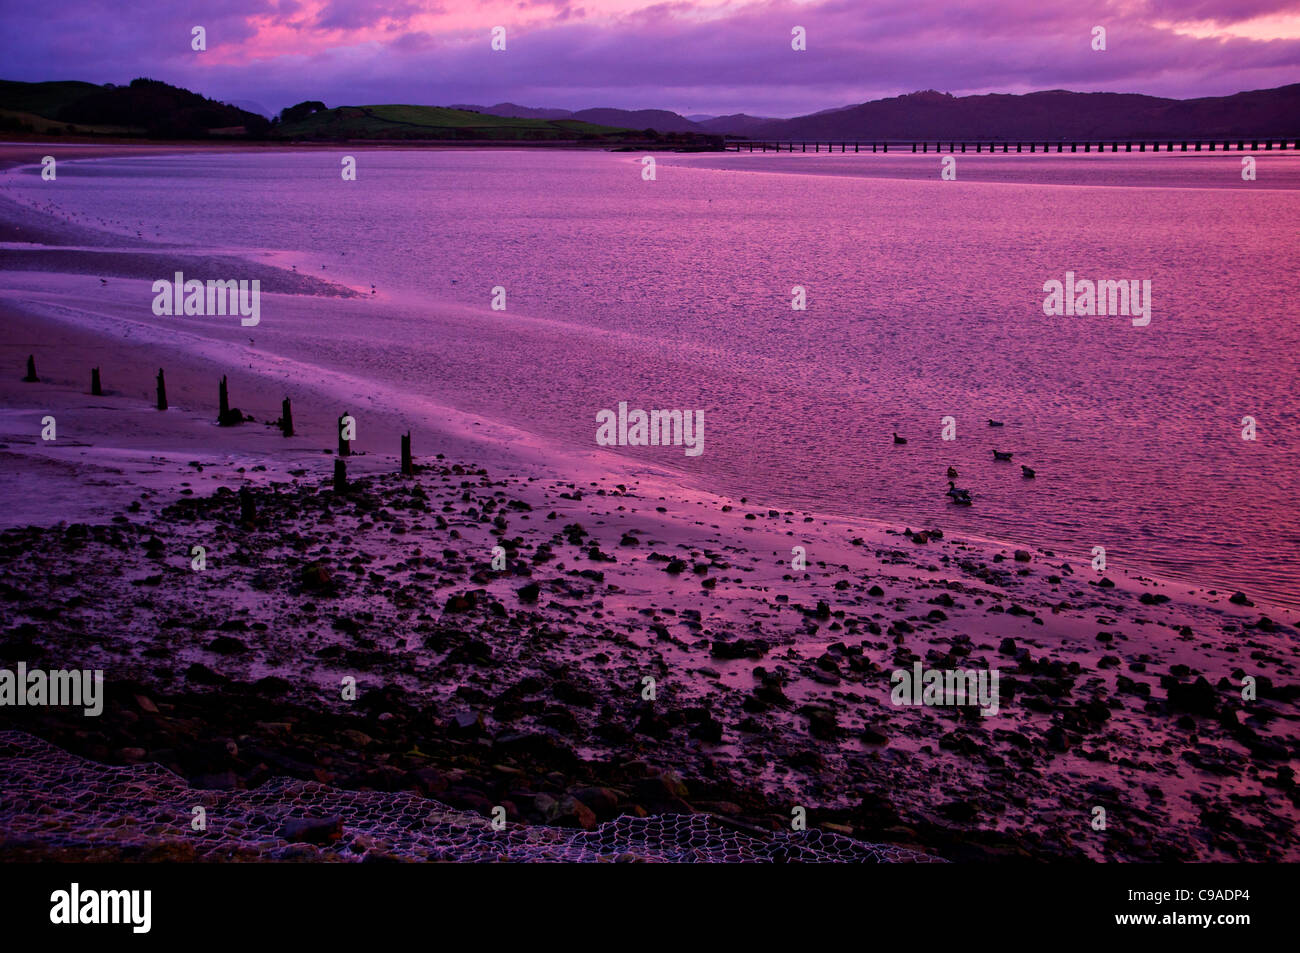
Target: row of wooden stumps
(227,416)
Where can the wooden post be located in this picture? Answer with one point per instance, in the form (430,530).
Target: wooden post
(344,445)
(223,401)
(247,512)
(286,418)
(31,377)
(886,148)
(1018,147)
(95,389)
(162,391)
(408,467)
(340,476)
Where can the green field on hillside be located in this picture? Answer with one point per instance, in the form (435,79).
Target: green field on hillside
(434,122)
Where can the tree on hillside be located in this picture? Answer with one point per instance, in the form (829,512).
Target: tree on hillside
(301,111)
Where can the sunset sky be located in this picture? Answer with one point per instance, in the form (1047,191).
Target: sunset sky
(714,57)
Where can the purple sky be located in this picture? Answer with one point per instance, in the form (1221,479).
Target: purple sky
(715,57)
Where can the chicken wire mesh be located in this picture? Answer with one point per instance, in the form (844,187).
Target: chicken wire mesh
(54,799)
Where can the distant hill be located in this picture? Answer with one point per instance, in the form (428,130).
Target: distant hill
(399,122)
(145,108)
(513,111)
(151,109)
(1054,114)
(660,120)
(737,124)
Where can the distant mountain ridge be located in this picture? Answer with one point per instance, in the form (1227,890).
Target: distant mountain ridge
(157,110)
(1050,114)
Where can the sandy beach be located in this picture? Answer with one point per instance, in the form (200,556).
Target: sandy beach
(525,686)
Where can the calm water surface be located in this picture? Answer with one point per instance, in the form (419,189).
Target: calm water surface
(924,299)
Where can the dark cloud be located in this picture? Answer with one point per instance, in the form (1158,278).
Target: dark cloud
(662,56)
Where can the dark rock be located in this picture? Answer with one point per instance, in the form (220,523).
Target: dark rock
(312,830)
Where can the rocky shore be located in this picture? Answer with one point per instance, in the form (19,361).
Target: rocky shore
(524,685)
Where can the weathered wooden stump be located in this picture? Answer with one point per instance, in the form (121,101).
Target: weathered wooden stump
(95,389)
(286,418)
(340,476)
(227,416)
(247,511)
(162,391)
(31,377)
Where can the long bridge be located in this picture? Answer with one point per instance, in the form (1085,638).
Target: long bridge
(1013,145)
